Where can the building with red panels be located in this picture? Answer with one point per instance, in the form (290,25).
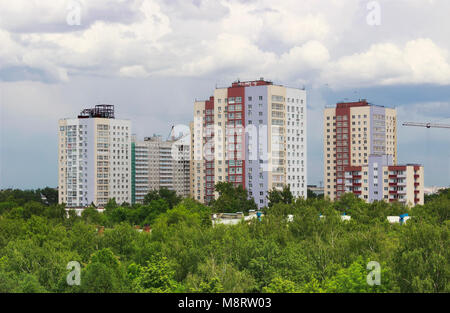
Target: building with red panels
(251,134)
(352,132)
(381,180)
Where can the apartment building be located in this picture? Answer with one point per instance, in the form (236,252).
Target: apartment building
(380,180)
(352,132)
(251,134)
(94,158)
(160,164)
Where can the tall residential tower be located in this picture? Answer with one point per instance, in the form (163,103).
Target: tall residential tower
(360,155)
(352,132)
(94,158)
(251,134)
(159,163)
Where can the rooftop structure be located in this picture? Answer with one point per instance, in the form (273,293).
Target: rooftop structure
(99,111)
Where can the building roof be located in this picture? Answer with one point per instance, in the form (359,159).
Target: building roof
(99,111)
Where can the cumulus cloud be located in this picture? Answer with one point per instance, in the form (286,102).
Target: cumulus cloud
(290,42)
(133,71)
(32,16)
(419,61)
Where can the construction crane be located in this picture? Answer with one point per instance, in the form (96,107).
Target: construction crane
(427,125)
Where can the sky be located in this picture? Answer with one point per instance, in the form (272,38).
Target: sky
(153,58)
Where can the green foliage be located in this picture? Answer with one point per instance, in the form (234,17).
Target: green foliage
(223,277)
(157,276)
(169,196)
(50,195)
(425,246)
(103,274)
(354,280)
(280,196)
(185,253)
(311,195)
(91,216)
(280,285)
(232,199)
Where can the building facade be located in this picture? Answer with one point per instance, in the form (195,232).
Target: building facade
(160,164)
(94,156)
(352,132)
(251,134)
(381,180)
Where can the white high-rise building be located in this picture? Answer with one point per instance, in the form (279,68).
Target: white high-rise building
(251,134)
(94,158)
(160,164)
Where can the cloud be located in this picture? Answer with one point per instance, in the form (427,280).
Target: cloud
(419,61)
(212,10)
(223,39)
(32,16)
(133,71)
(104,48)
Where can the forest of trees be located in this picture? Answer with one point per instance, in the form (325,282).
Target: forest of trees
(184,253)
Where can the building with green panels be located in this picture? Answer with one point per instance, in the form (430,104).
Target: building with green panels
(133,173)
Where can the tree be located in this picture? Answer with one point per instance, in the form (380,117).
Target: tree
(354,279)
(280,285)
(92,216)
(421,258)
(156,276)
(220,277)
(280,196)
(56,211)
(121,240)
(184,253)
(148,213)
(170,196)
(33,208)
(50,195)
(312,195)
(151,195)
(188,211)
(103,274)
(111,205)
(232,199)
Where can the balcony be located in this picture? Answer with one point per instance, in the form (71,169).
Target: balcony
(416,176)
